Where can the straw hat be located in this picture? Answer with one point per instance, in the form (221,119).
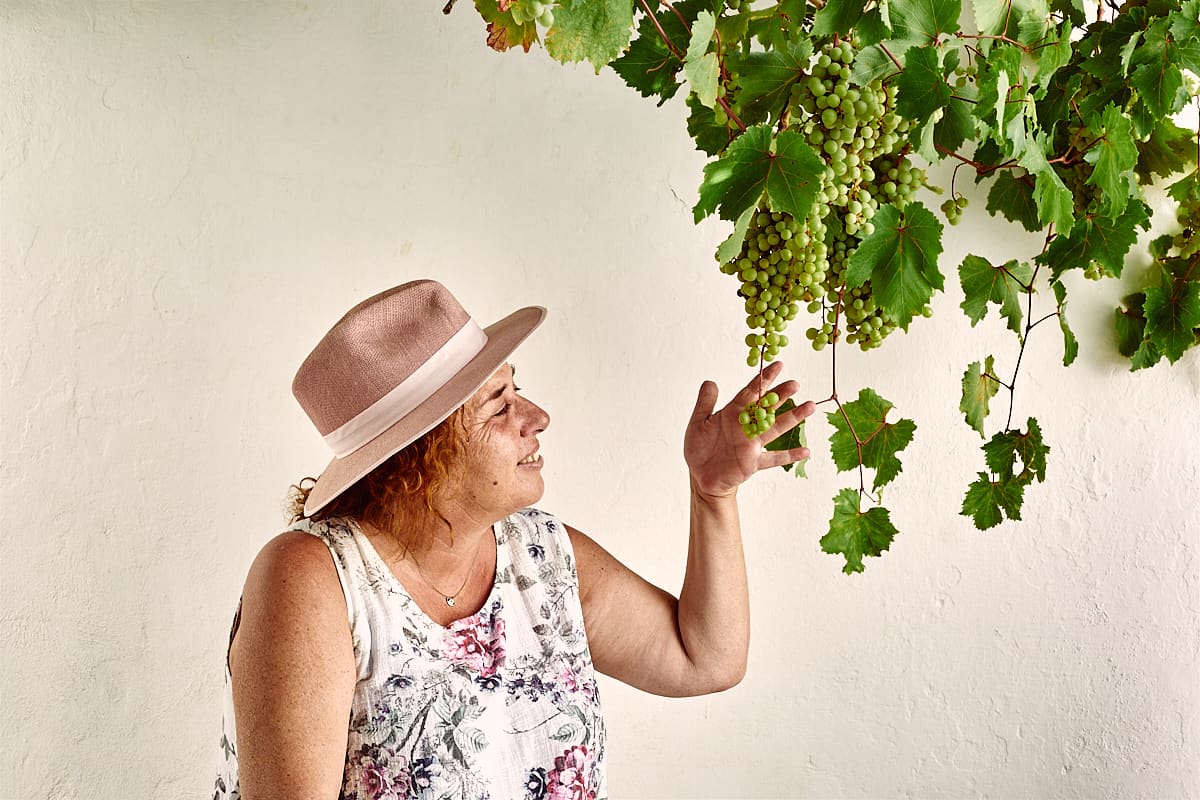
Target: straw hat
(393,368)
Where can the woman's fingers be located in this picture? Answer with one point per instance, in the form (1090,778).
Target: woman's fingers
(791,418)
(778,458)
(750,392)
(706,400)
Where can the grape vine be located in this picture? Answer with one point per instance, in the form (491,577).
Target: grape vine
(821,119)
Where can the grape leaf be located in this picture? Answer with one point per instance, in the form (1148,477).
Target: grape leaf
(1105,241)
(1033,21)
(1172,315)
(710,137)
(1070,343)
(854,534)
(766,79)
(871,64)
(875,26)
(988,501)
(956,126)
(1186,188)
(1130,325)
(991,16)
(1161,88)
(1132,342)
(1012,197)
(881,440)
(1112,158)
(1003,285)
(729,249)
(1007,447)
(790,175)
(1185,24)
(921,88)
(979,386)
(649,65)
(923,21)
(504,31)
(998,73)
(1052,54)
(796,437)
(836,18)
(592,30)
(699,65)
(777,26)
(900,260)
(1168,150)
(1071,9)
(1055,203)
(1146,356)
(1158,79)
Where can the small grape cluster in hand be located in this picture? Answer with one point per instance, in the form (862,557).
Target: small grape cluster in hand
(759,416)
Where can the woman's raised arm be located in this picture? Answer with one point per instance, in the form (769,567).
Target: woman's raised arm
(697,643)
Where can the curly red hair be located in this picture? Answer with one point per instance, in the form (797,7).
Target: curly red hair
(397,497)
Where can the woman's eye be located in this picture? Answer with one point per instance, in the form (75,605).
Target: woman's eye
(503,410)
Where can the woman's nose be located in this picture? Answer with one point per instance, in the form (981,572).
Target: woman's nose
(536,419)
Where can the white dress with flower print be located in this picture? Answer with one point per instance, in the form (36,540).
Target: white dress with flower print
(501,705)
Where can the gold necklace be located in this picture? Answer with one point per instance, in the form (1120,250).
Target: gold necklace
(449,598)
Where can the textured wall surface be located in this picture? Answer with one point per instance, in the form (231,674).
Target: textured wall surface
(192,192)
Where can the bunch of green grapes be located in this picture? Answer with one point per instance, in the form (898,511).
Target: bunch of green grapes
(783,261)
(953,208)
(780,263)
(525,11)
(759,415)
(854,128)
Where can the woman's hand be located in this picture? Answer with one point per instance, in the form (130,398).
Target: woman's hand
(719,455)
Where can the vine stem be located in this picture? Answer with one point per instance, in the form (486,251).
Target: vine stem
(682,57)
(687,27)
(883,47)
(661,33)
(1029,326)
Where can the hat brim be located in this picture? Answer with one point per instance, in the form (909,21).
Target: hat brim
(503,338)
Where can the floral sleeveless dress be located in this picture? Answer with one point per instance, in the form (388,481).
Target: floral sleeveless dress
(501,705)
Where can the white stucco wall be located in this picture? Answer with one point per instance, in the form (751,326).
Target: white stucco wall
(192,192)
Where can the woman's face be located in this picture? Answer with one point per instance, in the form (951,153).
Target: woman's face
(502,470)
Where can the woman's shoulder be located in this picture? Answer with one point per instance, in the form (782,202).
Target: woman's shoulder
(293,563)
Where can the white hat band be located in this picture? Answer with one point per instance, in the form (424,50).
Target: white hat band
(426,379)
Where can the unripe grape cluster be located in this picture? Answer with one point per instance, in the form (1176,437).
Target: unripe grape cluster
(953,208)
(525,11)
(781,262)
(784,262)
(758,417)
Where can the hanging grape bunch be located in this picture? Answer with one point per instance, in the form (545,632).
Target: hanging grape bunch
(782,263)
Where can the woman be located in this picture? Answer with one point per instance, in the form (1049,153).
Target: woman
(425,633)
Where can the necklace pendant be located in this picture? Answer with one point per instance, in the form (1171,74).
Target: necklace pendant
(450,601)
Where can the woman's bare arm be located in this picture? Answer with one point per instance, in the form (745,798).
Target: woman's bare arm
(292,663)
(697,643)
